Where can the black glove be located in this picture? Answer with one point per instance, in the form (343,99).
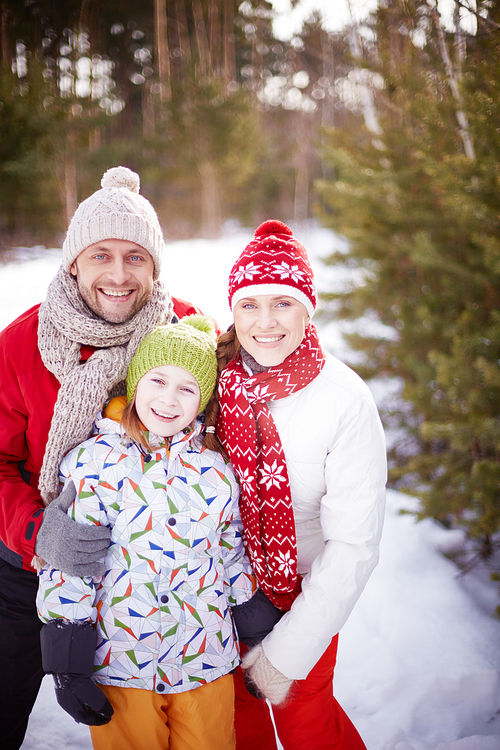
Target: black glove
(68,650)
(72,547)
(255,618)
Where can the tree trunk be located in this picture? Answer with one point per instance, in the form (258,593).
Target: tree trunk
(161,45)
(229,47)
(463,123)
(148,111)
(366,94)
(70,191)
(201,38)
(4,37)
(460,44)
(215,35)
(182,33)
(327,105)
(211,220)
(302,170)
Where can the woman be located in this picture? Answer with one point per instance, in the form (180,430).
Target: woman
(303,434)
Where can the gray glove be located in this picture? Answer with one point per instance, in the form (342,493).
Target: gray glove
(67,545)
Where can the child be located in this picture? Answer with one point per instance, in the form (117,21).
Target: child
(155,632)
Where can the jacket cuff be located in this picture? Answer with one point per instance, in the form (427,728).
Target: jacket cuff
(68,647)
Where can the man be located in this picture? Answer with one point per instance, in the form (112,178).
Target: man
(59,362)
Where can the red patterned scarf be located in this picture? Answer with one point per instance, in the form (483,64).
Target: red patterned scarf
(249,435)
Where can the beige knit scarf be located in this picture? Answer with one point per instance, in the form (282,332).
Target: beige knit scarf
(65,323)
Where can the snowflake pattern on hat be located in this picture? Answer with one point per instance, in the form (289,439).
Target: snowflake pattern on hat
(175,562)
(274,262)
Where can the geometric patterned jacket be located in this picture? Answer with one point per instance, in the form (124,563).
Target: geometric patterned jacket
(175,563)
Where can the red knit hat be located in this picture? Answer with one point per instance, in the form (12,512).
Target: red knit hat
(273,263)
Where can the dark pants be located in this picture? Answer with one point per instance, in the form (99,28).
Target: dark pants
(20,658)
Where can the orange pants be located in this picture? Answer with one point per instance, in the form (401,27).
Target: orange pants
(312,718)
(200,719)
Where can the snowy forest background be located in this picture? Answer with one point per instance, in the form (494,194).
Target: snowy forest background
(386,131)
(418,664)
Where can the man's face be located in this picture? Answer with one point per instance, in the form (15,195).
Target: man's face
(115,278)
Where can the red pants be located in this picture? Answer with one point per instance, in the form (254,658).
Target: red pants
(312,718)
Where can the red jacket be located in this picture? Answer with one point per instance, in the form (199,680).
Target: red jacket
(28,392)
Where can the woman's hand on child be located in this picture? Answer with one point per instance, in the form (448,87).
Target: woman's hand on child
(270,683)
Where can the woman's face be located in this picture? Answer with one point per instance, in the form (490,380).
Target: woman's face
(270,327)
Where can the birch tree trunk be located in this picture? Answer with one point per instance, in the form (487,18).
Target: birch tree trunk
(366,95)
(215,34)
(463,123)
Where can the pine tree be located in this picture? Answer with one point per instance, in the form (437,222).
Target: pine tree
(419,204)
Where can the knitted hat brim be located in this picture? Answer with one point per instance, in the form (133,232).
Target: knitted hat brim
(257,289)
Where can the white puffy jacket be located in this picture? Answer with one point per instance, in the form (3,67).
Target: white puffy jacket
(335,452)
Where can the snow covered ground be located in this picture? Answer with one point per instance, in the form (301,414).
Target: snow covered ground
(419,658)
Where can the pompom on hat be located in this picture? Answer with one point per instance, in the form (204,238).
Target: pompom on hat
(190,344)
(274,262)
(116,211)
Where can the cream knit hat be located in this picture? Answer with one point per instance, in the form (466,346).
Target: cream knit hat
(117,211)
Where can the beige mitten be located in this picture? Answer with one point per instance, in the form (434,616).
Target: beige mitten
(272,684)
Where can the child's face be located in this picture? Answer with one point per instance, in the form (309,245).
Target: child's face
(167,399)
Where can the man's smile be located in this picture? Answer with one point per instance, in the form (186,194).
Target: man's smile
(116,292)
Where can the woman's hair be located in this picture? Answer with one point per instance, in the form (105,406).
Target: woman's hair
(133,427)
(228,348)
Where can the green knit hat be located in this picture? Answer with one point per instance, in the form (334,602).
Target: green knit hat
(190,344)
